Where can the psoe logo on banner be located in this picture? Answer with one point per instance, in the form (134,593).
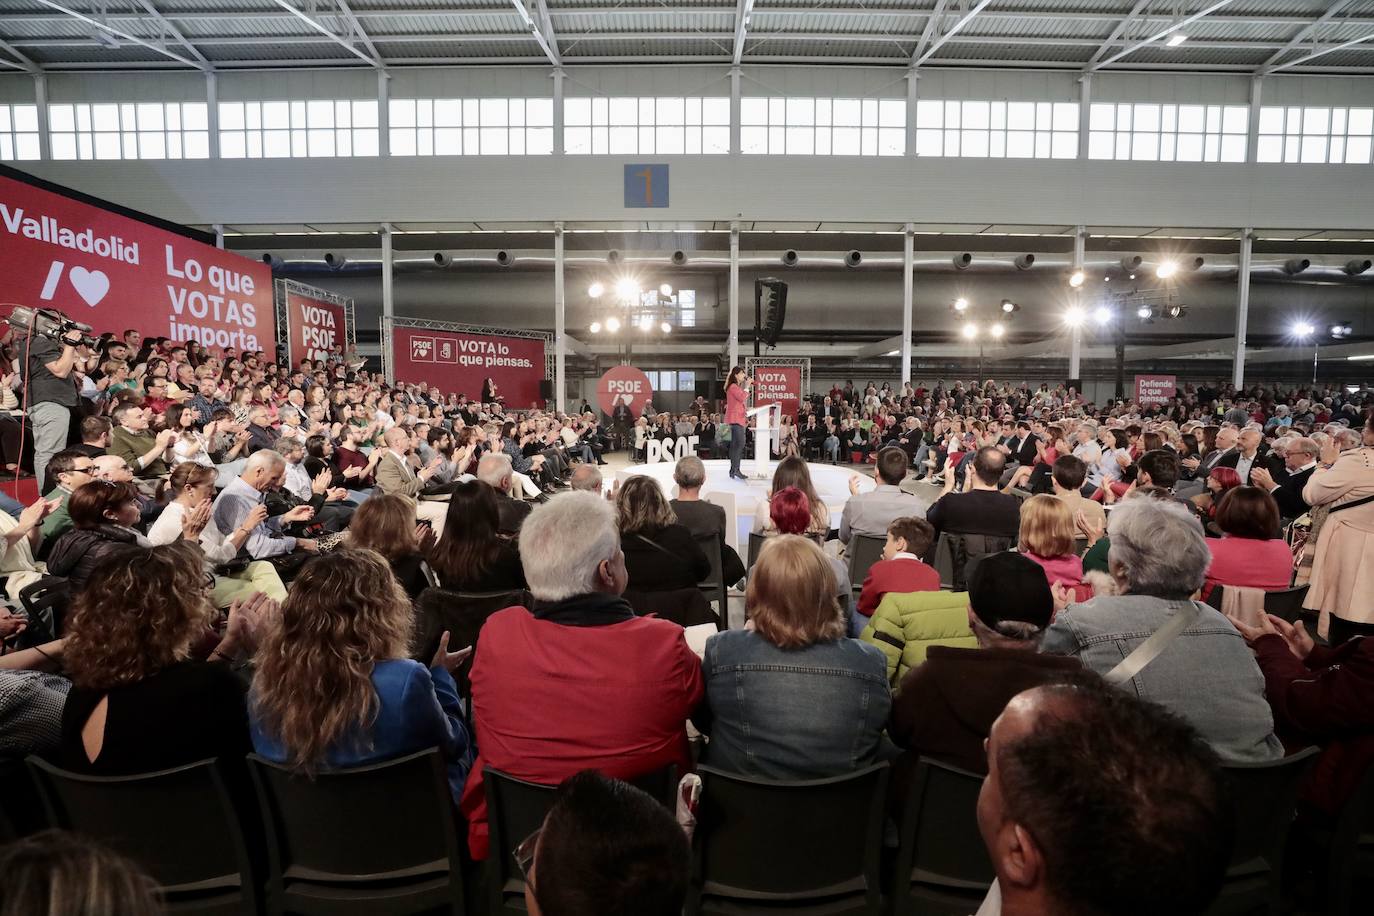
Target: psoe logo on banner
(448,353)
(422,349)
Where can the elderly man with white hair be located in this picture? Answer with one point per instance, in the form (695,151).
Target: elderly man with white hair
(263,471)
(576,680)
(494,470)
(1198,665)
(396,474)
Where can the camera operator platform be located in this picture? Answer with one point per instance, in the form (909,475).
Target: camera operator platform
(50,388)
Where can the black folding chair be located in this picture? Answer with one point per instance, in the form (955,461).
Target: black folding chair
(863,551)
(180,825)
(372,839)
(462,615)
(1264,796)
(713,588)
(755,545)
(1352,849)
(765,846)
(1286,603)
(686,607)
(46,602)
(942,865)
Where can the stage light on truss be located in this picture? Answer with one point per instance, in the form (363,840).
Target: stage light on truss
(595,328)
(626,288)
(665,290)
(1303,329)
(996,330)
(646,323)
(1103,315)
(1074,316)
(1008,306)
(1176,311)
(1166,269)
(666,328)
(1076,278)
(969,330)
(596,290)
(1340,331)
(613,324)
(1144,313)
(961,304)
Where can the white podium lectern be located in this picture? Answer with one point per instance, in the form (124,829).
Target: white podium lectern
(768,416)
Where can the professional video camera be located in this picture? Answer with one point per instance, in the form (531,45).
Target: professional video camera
(49,323)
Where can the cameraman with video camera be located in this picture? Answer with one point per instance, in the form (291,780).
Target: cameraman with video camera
(51,389)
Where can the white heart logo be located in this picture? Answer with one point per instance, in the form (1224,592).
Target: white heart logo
(91,284)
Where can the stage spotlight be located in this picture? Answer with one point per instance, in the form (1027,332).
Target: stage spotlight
(1076,279)
(1177,311)
(1131,277)
(595,290)
(665,290)
(613,324)
(1103,315)
(1144,313)
(1008,306)
(997,330)
(1166,269)
(1073,317)
(969,330)
(666,328)
(961,304)
(627,288)
(595,328)
(1303,329)
(646,323)
(1176,39)
(1339,331)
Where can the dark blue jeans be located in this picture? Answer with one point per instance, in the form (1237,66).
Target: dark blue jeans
(736,447)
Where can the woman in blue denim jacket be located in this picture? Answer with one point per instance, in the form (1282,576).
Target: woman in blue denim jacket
(790,697)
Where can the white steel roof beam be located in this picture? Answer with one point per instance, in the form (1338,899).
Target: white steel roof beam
(1130,18)
(358,30)
(550,51)
(1322,52)
(1162,33)
(20,62)
(1302,36)
(127,36)
(742,14)
(329,33)
(172,30)
(958,26)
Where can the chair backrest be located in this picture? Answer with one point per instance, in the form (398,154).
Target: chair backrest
(941,855)
(46,600)
(1264,796)
(462,615)
(726,501)
(863,550)
(1286,603)
(325,829)
(767,841)
(686,607)
(713,588)
(756,540)
(1352,846)
(180,825)
(1215,595)
(956,555)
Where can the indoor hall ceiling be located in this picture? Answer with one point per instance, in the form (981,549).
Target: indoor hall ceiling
(1236,36)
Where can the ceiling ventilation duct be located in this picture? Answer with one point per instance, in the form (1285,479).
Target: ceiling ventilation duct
(504,259)
(1131,262)
(962,261)
(679,258)
(790,258)
(1356,267)
(614,257)
(272,261)
(1195,263)
(335,261)
(853,259)
(442,259)
(1025,262)
(1295,266)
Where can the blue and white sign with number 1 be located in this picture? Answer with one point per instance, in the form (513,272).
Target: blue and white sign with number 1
(646,185)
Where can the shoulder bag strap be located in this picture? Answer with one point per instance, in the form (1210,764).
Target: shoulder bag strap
(656,546)
(1151,648)
(1362,501)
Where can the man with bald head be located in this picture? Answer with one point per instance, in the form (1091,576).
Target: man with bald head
(1099,802)
(398,472)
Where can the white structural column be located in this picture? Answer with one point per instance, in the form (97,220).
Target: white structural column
(1242,307)
(1252,138)
(212,112)
(219,235)
(913,96)
(560,324)
(383,113)
(1080,244)
(558,76)
(734,292)
(388,300)
(734,110)
(908,257)
(1085,101)
(40,98)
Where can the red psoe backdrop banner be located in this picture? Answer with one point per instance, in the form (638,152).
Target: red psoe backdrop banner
(115,272)
(1155,389)
(317,328)
(623,385)
(780,384)
(458,361)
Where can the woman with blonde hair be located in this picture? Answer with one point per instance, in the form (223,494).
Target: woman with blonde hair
(789,696)
(1048,537)
(141,700)
(660,554)
(385,523)
(793,472)
(334,686)
(56,873)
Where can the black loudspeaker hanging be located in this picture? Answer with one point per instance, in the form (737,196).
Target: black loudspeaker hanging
(770,311)
(546,389)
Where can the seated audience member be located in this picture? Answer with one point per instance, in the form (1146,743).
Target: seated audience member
(389,529)
(1299,461)
(1249,552)
(298,488)
(870,513)
(59,873)
(1047,536)
(625,684)
(1321,695)
(494,469)
(696,514)
(1068,834)
(587,478)
(1206,674)
(1067,479)
(473,555)
(193,487)
(103,515)
(791,697)
(68,470)
(23,537)
(396,475)
(261,435)
(95,436)
(605,849)
(139,701)
(660,554)
(144,451)
(901,569)
(946,706)
(334,685)
(32,695)
(983,509)
(790,514)
(1218,483)
(793,472)
(262,471)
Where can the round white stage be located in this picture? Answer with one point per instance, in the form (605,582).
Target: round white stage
(831,483)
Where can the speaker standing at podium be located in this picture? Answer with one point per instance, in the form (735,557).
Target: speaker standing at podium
(736,387)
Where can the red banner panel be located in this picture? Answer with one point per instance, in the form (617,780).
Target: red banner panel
(316,328)
(115,272)
(778,384)
(623,384)
(458,361)
(1155,389)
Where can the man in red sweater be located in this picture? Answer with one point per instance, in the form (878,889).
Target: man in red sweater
(901,568)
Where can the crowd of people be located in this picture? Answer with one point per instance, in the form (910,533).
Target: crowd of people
(240,548)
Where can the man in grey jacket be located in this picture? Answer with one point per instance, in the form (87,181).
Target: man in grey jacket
(870,513)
